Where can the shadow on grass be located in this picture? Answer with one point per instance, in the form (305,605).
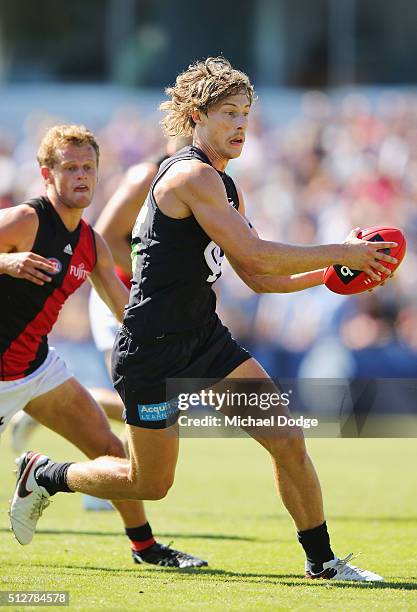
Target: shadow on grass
(404,586)
(290,580)
(112,534)
(346,519)
(282,579)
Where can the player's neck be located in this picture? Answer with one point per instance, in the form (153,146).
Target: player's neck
(70,217)
(216,160)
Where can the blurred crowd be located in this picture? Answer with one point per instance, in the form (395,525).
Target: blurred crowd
(338,164)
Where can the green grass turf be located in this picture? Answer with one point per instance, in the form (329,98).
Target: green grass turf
(223,508)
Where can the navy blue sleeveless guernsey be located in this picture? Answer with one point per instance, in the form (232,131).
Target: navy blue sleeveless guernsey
(175,264)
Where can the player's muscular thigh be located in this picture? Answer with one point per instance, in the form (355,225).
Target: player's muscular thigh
(71,412)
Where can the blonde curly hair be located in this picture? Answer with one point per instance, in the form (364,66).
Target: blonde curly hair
(203,84)
(61,135)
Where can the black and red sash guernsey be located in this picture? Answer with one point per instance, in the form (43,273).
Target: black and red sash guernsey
(28,311)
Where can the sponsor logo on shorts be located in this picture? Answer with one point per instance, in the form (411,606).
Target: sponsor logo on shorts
(157,412)
(57,265)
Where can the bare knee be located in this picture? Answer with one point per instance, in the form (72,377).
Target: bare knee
(158,490)
(115,447)
(154,489)
(288,450)
(106,443)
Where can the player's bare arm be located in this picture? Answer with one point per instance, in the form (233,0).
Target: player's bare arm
(18,227)
(202,191)
(274,284)
(105,281)
(278,284)
(118,216)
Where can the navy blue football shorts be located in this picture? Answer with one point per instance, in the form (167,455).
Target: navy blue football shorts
(140,370)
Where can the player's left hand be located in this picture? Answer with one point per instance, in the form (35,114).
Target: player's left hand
(383,283)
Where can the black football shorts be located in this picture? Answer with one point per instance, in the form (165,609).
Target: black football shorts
(140,370)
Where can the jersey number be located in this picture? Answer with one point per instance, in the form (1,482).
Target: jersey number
(214,257)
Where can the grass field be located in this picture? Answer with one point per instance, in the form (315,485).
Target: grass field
(223,508)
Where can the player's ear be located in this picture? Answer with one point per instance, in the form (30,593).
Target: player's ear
(196,116)
(46,173)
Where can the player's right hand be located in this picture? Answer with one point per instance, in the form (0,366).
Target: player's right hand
(29,266)
(367,256)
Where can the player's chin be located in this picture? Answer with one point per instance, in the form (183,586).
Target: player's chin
(82,200)
(234,151)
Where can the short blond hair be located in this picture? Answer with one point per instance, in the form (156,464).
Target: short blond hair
(203,84)
(61,135)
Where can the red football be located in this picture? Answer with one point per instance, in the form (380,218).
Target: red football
(342,279)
